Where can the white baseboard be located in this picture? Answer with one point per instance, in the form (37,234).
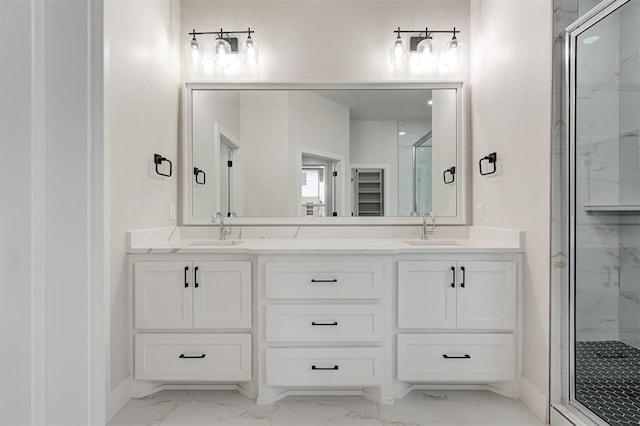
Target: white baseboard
(535,400)
(118,397)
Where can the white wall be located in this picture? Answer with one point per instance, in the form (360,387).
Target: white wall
(511,113)
(320,127)
(444,134)
(16,228)
(141,119)
(321,40)
(51,298)
(212,111)
(264,131)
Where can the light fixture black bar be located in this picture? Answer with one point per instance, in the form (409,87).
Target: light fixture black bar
(454,31)
(195,33)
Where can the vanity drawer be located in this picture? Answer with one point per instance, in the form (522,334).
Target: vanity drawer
(193,357)
(324,323)
(323,280)
(319,367)
(456,357)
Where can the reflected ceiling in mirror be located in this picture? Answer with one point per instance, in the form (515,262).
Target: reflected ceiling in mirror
(293,154)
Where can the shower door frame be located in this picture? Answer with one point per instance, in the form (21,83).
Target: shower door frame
(585,22)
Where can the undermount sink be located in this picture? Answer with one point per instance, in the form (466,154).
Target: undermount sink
(433,242)
(206,243)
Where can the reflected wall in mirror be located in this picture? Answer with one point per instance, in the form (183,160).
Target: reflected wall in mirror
(299,152)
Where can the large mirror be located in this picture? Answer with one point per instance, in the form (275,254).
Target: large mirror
(343,154)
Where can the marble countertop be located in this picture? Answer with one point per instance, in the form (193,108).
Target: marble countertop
(178,240)
(327,246)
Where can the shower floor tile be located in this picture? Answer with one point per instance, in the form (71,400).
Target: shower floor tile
(608,380)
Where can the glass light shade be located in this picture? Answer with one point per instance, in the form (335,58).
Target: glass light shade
(221,52)
(452,55)
(250,52)
(426,52)
(398,52)
(194,55)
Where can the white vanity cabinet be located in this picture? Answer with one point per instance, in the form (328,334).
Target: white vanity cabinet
(457,295)
(200,295)
(457,319)
(376,318)
(192,320)
(324,321)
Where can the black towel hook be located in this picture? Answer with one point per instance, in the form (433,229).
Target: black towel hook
(492,159)
(452,171)
(158,160)
(197,172)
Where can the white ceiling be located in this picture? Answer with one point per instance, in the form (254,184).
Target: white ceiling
(383,104)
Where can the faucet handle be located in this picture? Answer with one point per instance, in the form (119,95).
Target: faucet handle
(217,216)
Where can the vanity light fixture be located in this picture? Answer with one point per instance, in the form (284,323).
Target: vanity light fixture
(398,50)
(224,46)
(424,48)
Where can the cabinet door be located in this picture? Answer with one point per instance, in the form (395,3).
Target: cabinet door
(426,295)
(487,295)
(222,295)
(162,295)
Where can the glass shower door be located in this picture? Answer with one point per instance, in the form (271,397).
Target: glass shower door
(604,199)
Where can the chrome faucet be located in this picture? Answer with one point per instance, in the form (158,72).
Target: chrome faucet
(225,229)
(428,228)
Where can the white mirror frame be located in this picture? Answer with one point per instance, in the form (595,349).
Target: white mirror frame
(462,175)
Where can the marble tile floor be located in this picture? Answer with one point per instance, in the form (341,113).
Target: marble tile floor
(417,408)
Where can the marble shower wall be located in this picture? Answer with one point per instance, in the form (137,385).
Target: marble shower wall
(630,173)
(608,171)
(597,170)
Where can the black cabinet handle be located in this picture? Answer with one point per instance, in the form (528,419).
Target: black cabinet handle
(195,277)
(197,172)
(313,367)
(464,274)
(453,277)
(183,356)
(186,270)
(324,323)
(466,356)
(314,280)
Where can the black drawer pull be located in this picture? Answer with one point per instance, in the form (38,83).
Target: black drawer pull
(183,356)
(464,275)
(466,356)
(314,280)
(195,277)
(313,367)
(453,277)
(186,283)
(324,323)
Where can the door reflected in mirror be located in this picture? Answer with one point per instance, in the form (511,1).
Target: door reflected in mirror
(322,152)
